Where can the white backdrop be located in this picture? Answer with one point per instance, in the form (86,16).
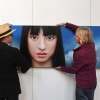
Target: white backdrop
(49,84)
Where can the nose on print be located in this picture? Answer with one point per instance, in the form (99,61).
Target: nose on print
(42,44)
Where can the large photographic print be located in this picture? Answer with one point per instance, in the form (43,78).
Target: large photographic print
(50,46)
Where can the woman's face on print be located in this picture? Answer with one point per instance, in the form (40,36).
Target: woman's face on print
(41,48)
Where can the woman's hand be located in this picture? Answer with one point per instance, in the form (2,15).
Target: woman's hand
(61,24)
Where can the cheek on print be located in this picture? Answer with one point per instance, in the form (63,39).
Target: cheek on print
(52,48)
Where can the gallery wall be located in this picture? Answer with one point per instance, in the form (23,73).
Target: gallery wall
(50,84)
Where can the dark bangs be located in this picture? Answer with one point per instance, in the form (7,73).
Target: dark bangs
(35,30)
(47,30)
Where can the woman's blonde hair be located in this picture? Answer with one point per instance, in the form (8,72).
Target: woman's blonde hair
(85,35)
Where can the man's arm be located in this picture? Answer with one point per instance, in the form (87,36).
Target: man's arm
(22,62)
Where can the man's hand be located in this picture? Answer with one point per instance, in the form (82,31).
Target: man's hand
(9,24)
(18,69)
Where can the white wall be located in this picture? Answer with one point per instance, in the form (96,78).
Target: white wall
(35,82)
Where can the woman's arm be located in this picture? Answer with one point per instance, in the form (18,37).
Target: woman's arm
(73,27)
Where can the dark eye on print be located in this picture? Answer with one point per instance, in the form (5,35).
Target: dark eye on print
(34,37)
(50,37)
